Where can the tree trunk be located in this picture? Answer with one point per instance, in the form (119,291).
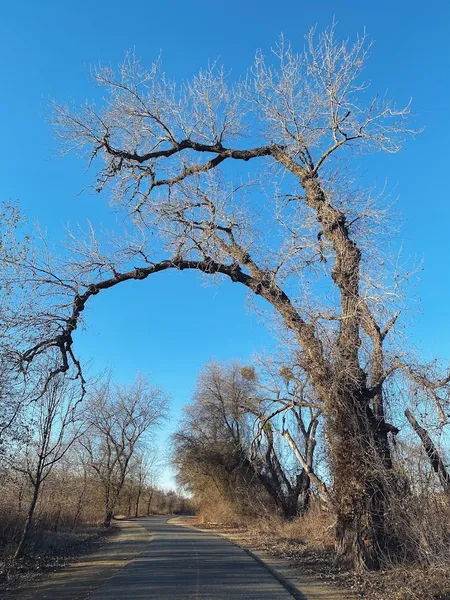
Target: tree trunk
(304,492)
(431,451)
(28,523)
(361,476)
(307,469)
(77,514)
(108,517)
(289,506)
(20,498)
(138,498)
(149,503)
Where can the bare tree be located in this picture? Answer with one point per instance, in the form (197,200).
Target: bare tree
(282,392)
(120,417)
(295,221)
(212,443)
(146,476)
(152,474)
(233,433)
(138,473)
(55,425)
(140,481)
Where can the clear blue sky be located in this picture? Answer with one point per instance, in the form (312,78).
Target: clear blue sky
(172,325)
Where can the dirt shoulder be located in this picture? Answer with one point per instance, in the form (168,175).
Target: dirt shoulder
(312,586)
(89,571)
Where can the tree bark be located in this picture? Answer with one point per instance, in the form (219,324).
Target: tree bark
(363,481)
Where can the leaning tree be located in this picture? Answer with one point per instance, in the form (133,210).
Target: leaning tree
(252,181)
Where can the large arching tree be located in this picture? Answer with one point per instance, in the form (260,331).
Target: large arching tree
(252,181)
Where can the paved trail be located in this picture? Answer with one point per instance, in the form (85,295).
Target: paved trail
(176,563)
(184,564)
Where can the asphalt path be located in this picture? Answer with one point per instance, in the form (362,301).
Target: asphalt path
(185,564)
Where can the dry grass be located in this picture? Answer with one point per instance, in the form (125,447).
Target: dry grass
(47,552)
(407,583)
(308,543)
(314,530)
(223,513)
